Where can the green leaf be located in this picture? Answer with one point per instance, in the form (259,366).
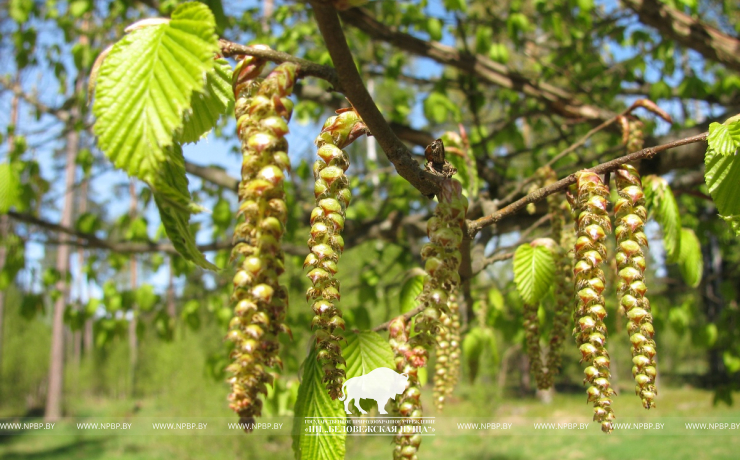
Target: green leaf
(734,222)
(534,269)
(145,297)
(144,87)
(663,205)
(146,83)
(222,214)
(172,198)
(724,138)
(722,175)
(208,105)
(438,107)
(137,230)
(366,351)
(79,7)
(20,10)
(409,292)
(15,259)
(732,362)
(314,401)
(468,176)
(434,29)
(690,261)
(88,223)
(10,187)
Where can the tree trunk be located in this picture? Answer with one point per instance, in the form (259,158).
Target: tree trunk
(4,222)
(81,280)
(56,368)
(132,338)
(171,309)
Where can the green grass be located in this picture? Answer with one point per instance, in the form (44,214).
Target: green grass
(67,442)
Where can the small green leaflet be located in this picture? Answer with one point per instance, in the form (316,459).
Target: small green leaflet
(171,194)
(734,222)
(690,261)
(409,292)
(207,106)
(475,343)
(534,269)
(664,208)
(722,175)
(143,90)
(366,351)
(15,260)
(10,187)
(314,401)
(724,138)
(460,157)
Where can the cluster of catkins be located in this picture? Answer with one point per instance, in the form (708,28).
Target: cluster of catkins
(447,353)
(532,337)
(333,195)
(442,260)
(563,278)
(589,203)
(260,303)
(630,216)
(408,359)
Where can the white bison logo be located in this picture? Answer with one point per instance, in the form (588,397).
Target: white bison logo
(381,384)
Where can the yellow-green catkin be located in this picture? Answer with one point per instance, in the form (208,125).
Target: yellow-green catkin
(442,260)
(630,216)
(589,203)
(262,110)
(331,189)
(447,353)
(408,360)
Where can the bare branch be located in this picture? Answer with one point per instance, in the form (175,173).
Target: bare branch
(306,68)
(407,316)
(354,89)
(474,226)
(692,33)
(213,175)
(558,100)
(87,240)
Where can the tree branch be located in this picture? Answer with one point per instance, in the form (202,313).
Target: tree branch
(88,240)
(473,227)
(407,316)
(558,100)
(710,42)
(306,68)
(213,175)
(354,89)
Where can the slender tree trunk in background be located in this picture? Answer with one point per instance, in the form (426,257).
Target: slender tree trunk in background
(133,342)
(56,366)
(81,280)
(713,304)
(4,221)
(268,7)
(4,224)
(171,310)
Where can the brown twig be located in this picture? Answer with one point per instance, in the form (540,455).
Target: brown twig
(473,227)
(485,69)
(88,240)
(355,90)
(408,315)
(306,68)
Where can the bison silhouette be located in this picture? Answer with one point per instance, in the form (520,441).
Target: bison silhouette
(381,384)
